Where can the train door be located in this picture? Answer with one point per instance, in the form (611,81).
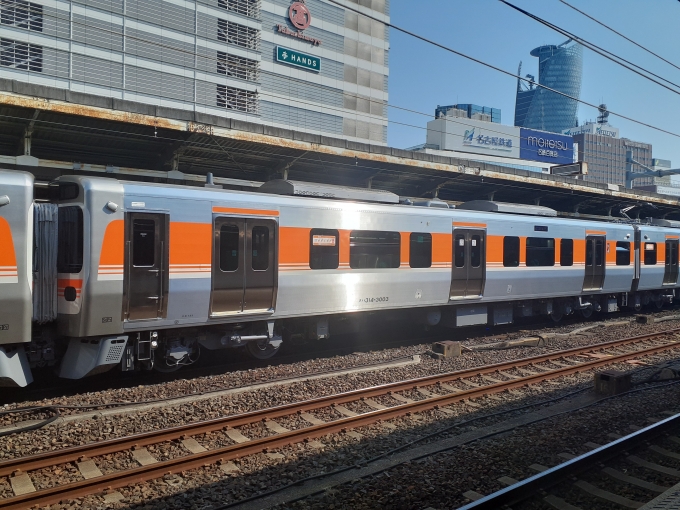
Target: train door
(595,262)
(146,263)
(244,272)
(670,275)
(469,263)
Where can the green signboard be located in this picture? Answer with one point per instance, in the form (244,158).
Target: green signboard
(296,58)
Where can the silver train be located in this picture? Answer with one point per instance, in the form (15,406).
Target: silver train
(140,275)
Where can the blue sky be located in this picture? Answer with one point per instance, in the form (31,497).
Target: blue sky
(423,76)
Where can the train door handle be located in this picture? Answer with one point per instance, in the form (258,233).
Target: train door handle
(156,298)
(154,270)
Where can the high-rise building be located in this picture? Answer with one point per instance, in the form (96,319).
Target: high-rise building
(559,68)
(470,111)
(608,157)
(306,65)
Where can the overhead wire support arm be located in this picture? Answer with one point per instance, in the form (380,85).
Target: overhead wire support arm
(648,172)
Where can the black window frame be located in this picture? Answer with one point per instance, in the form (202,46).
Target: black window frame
(511,246)
(143,252)
(70,240)
(650,253)
(226,231)
(537,255)
(324,256)
(369,249)
(422,259)
(255,257)
(566,247)
(619,254)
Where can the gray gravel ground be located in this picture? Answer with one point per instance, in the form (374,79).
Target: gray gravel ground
(205,487)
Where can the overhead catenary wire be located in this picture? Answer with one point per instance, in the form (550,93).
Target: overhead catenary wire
(620,34)
(626,64)
(500,70)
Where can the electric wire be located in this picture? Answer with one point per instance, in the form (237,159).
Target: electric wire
(620,34)
(358,114)
(599,50)
(500,70)
(390,25)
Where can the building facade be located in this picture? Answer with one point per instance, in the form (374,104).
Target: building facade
(307,65)
(498,144)
(607,158)
(559,68)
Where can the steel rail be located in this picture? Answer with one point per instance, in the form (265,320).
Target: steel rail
(528,488)
(71,454)
(197,460)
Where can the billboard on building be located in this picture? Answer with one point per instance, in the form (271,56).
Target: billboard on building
(548,147)
(477,137)
(590,128)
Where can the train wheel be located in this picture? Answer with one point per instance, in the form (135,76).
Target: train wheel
(586,313)
(658,303)
(262,350)
(556,315)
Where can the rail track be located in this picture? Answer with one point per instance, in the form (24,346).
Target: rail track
(434,392)
(594,474)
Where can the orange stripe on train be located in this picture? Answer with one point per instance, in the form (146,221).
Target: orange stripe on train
(7,255)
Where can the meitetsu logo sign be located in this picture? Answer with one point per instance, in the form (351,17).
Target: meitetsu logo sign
(480,139)
(548,147)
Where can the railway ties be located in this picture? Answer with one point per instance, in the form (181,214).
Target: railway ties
(629,472)
(353,410)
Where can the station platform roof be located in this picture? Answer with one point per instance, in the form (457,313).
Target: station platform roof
(78,133)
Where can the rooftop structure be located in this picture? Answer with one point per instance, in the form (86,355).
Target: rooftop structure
(470,111)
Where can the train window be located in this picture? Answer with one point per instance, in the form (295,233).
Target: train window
(420,252)
(143,243)
(260,245)
(459,250)
(70,240)
(589,252)
(650,254)
(540,251)
(475,251)
(566,252)
(622,253)
(511,251)
(599,252)
(371,249)
(324,249)
(229,239)
(63,191)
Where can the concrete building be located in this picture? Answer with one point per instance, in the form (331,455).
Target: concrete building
(559,68)
(456,134)
(607,155)
(308,65)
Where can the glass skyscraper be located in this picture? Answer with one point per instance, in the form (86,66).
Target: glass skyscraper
(560,68)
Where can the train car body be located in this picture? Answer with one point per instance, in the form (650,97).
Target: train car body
(149,274)
(16,238)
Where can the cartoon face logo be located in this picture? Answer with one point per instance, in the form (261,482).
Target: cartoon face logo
(299,15)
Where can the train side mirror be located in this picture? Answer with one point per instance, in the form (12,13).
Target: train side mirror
(4,200)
